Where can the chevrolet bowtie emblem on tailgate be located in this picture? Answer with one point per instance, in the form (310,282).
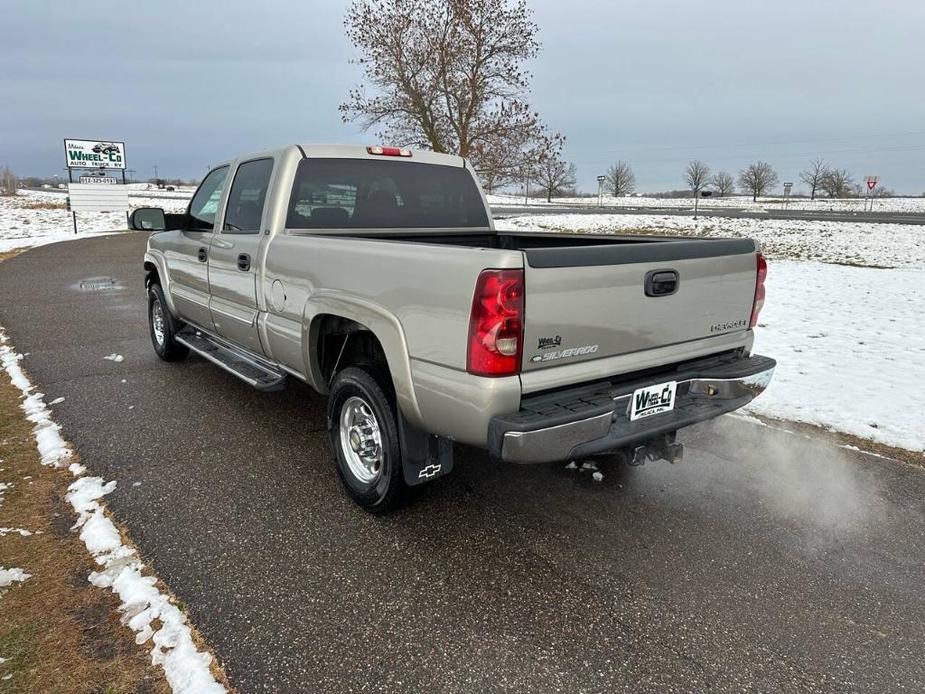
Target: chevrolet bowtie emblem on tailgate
(429,471)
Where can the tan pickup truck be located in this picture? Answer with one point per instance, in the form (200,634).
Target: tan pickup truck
(375,275)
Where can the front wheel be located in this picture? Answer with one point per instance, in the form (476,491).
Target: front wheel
(364,438)
(163,327)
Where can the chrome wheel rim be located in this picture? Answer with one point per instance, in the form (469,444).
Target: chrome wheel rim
(361,440)
(157,322)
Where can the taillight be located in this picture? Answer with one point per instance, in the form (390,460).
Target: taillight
(389,151)
(758,303)
(496,334)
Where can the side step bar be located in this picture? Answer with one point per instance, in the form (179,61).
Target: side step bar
(245,366)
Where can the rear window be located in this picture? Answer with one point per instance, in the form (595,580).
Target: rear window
(373,194)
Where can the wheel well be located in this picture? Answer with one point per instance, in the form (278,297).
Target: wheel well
(151,275)
(341,342)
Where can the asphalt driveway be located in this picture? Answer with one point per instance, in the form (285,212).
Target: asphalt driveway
(764,562)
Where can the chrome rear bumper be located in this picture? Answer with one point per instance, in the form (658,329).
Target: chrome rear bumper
(595,419)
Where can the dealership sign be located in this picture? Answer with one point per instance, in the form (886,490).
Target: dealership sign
(94,154)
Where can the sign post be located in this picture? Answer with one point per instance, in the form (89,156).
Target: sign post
(788,185)
(600,190)
(871,184)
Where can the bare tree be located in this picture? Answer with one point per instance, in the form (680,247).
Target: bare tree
(696,175)
(723,182)
(8,183)
(620,179)
(813,175)
(448,75)
(757,178)
(838,183)
(553,174)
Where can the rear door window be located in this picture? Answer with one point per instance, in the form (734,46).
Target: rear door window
(374,194)
(247,197)
(204,205)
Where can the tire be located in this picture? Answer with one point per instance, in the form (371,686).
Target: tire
(364,440)
(164,329)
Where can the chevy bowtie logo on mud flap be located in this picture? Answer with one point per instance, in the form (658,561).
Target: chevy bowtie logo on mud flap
(429,471)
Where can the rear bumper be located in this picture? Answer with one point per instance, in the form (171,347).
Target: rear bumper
(595,419)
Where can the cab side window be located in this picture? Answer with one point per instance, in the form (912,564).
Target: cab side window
(204,205)
(247,197)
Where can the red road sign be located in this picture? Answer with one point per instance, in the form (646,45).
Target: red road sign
(870,184)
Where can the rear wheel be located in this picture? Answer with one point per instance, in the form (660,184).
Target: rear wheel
(163,326)
(364,438)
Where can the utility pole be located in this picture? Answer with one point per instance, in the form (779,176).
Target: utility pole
(155,172)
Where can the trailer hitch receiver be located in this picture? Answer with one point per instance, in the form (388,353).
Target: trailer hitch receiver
(660,448)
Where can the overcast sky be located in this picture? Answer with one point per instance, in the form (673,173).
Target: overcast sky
(653,82)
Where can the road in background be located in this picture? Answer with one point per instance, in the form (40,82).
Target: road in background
(502,211)
(764,562)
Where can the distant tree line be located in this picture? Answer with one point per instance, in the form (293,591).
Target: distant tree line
(757,179)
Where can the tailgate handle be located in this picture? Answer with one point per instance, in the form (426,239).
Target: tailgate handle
(662,282)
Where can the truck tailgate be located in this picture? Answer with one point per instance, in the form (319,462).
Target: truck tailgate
(592,302)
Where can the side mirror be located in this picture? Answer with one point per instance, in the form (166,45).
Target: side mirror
(148,219)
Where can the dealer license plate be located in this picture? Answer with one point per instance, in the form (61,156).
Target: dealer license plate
(653,400)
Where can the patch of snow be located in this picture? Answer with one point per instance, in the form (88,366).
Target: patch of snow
(36,218)
(598,476)
(572,466)
(56,401)
(114,357)
(848,342)
(589,465)
(20,531)
(121,570)
(10,576)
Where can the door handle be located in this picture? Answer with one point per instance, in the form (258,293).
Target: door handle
(244,262)
(203,255)
(662,282)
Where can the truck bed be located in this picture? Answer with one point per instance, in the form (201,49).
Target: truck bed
(586,297)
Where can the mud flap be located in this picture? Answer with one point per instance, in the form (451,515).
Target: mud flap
(425,457)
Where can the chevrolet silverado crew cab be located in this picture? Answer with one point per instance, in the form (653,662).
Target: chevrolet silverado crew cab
(376,276)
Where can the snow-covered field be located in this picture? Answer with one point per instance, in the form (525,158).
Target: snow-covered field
(737,202)
(850,348)
(880,245)
(849,341)
(36,218)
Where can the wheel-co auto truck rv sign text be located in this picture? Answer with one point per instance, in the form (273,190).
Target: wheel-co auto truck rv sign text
(93,154)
